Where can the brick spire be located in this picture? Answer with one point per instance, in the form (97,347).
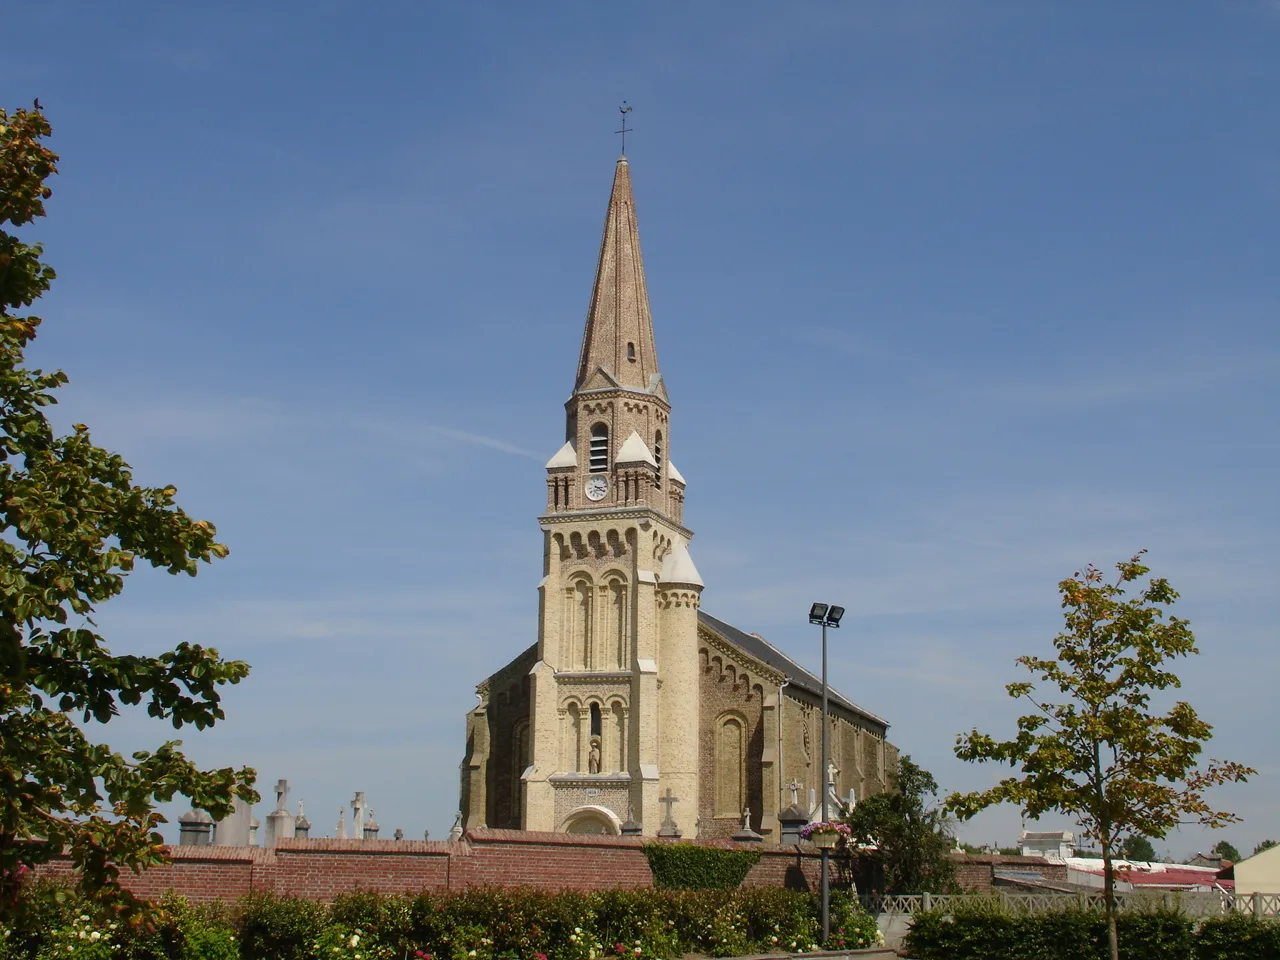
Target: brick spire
(618,338)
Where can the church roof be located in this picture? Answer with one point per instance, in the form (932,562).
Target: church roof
(618,338)
(635,450)
(673,473)
(677,566)
(566,456)
(797,675)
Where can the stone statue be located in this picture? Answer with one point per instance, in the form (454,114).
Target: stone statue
(593,757)
(832,772)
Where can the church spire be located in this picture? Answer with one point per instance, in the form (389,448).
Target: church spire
(618,338)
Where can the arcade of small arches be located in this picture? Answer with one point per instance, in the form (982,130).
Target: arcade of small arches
(596,620)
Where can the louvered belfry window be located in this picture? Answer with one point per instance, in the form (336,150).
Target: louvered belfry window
(599,456)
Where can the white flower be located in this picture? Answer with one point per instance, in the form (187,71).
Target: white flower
(354,941)
(84,917)
(577,929)
(95,935)
(471,954)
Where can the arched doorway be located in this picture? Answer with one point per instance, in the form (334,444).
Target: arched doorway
(599,821)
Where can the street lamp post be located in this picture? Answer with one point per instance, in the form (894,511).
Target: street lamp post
(825,615)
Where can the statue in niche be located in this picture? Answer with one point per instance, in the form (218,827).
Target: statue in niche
(593,756)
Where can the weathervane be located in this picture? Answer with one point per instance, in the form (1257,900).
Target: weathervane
(624,110)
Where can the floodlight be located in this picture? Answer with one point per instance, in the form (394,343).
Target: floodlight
(817,612)
(834,614)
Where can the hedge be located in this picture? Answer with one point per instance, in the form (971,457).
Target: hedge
(477,924)
(987,932)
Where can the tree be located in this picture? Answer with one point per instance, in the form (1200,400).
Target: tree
(1226,851)
(74,525)
(1102,755)
(912,833)
(1264,845)
(1138,848)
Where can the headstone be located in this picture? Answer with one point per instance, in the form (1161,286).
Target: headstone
(399,834)
(233,830)
(340,832)
(280,822)
(668,828)
(746,834)
(455,832)
(301,825)
(426,834)
(195,829)
(370,829)
(357,815)
(253,831)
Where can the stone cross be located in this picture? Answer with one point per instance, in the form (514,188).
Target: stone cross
(667,801)
(794,787)
(668,828)
(282,794)
(341,832)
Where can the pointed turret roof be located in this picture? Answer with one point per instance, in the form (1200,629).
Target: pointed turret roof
(618,338)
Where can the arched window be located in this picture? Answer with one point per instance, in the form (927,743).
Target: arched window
(631,352)
(729,757)
(596,725)
(657,455)
(599,455)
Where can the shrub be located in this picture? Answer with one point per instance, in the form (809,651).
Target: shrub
(1238,937)
(272,927)
(689,866)
(985,931)
(852,928)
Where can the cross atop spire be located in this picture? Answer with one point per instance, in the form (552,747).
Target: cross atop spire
(618,338)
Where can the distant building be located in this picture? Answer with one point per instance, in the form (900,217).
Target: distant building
(1138,875)
(1259,873)
(1050,844)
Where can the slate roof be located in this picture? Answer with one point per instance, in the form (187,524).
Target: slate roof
(797,675)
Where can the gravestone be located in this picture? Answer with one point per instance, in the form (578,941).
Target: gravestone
(234,829)
(668,828)
(280,822)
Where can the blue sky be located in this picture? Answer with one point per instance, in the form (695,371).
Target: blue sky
(951,298)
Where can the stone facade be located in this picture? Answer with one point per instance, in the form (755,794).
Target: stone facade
(631,694)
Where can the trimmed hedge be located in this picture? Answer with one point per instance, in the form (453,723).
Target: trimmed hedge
(689,866)
(989,933)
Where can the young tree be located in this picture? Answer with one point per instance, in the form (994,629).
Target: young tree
(912,833)
(1263,845)
(1226,851)
(1100,754)
(73,525)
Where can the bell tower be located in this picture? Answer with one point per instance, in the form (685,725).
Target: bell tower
(614,712)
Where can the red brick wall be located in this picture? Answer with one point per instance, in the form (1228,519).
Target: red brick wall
(321,869)
(976,872)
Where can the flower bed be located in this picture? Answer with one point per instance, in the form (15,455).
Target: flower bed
(477,924)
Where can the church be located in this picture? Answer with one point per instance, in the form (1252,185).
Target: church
(636,712)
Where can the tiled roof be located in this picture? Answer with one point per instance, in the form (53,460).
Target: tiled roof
(797,675)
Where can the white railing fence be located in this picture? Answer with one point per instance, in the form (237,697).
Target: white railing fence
(1192,904)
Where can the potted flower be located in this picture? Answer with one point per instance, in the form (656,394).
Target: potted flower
(825,834)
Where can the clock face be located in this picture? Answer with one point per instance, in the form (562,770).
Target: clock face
(597,487)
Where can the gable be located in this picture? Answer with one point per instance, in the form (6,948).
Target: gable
(778,662)
(600,379)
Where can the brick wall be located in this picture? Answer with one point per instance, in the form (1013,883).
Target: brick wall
(321,869)
(976,872)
